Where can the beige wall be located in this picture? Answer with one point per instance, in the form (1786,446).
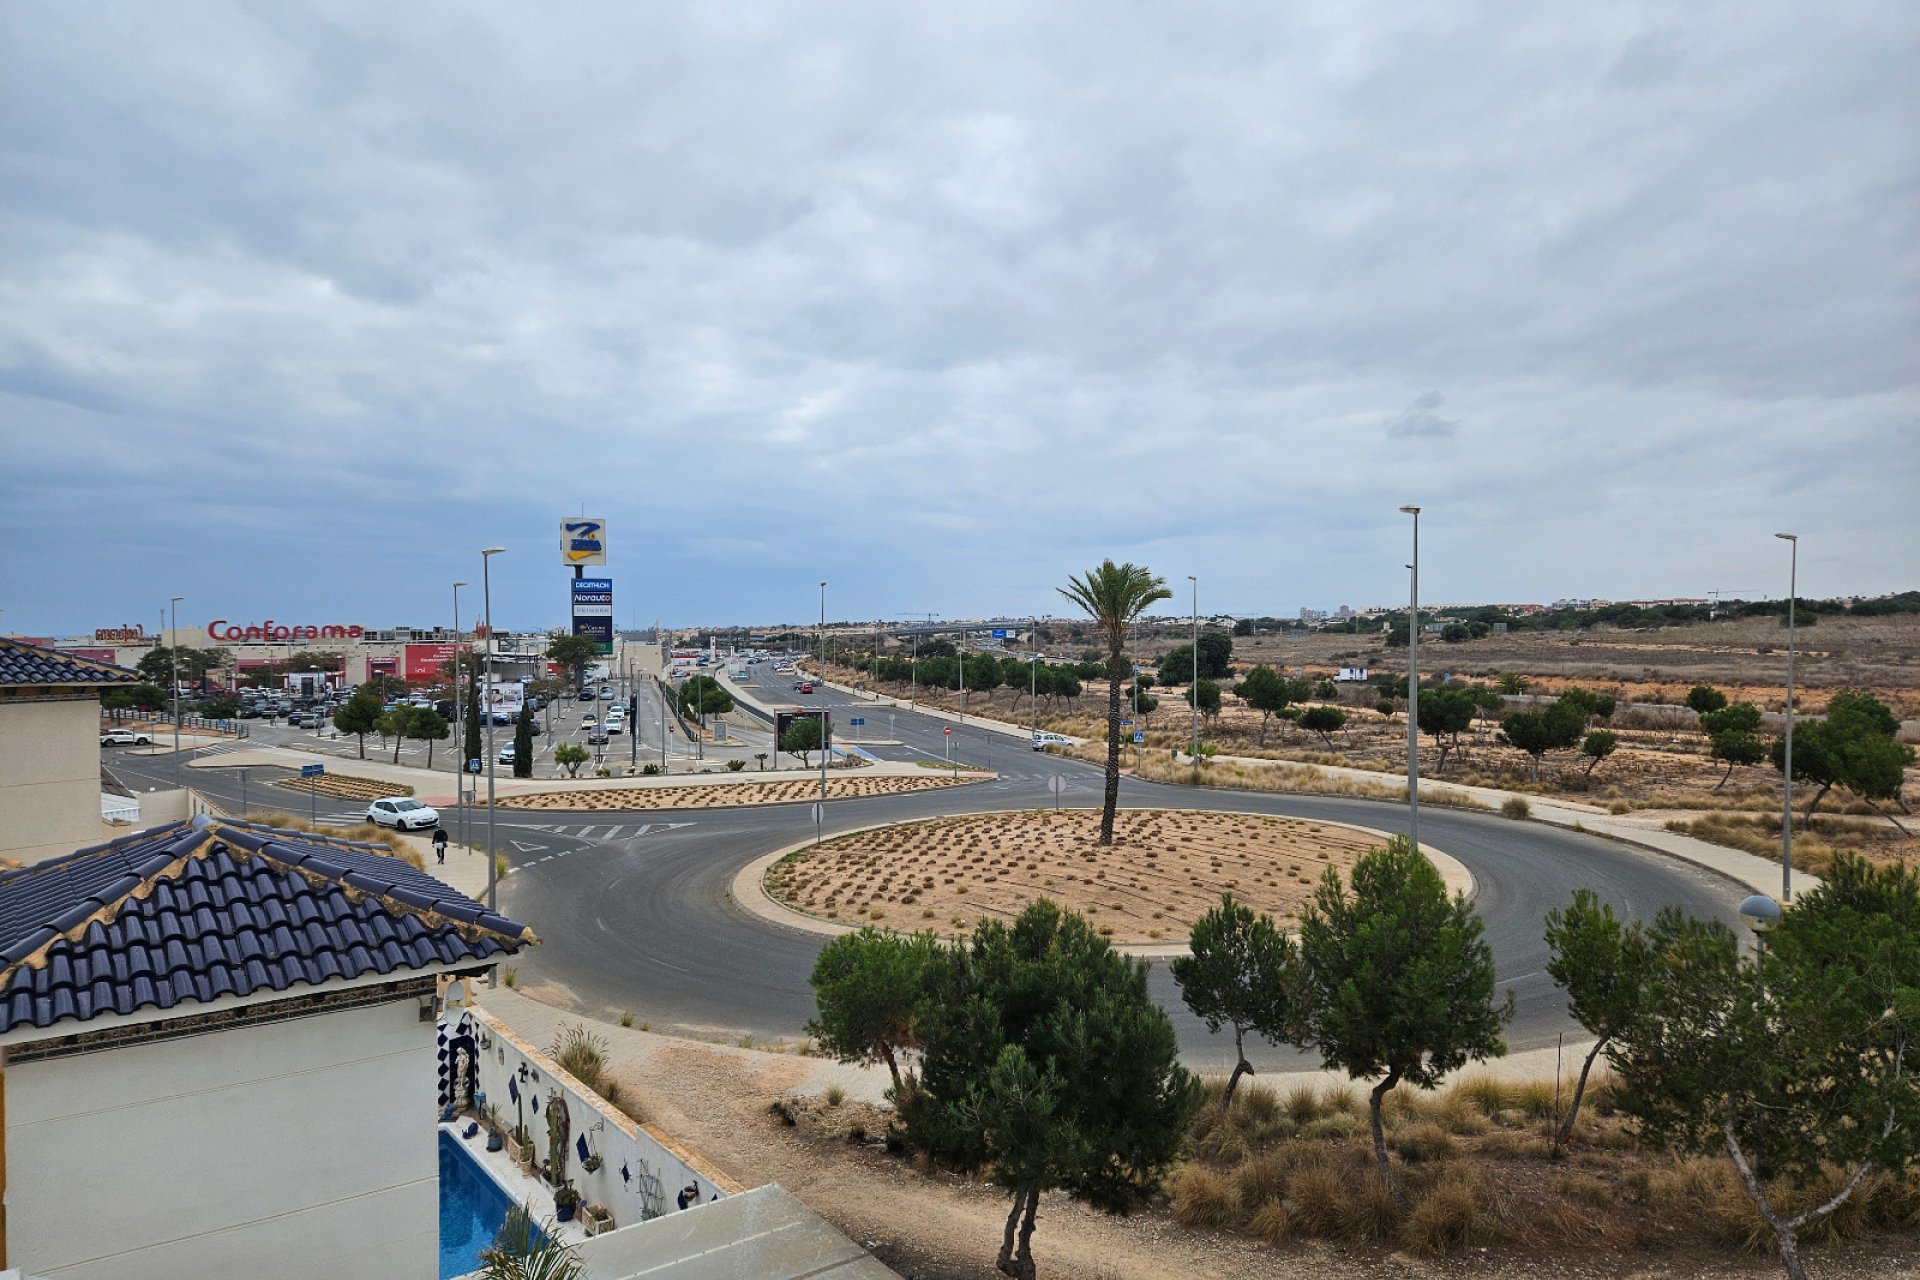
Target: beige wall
(49,777)
(281,1151)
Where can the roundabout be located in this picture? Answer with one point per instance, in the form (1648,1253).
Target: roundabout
(1165,868)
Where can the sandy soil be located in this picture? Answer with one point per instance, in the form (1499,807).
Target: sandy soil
(938,1227)
(743,793)
(1162,872)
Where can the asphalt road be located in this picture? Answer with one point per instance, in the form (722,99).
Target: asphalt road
(634,914)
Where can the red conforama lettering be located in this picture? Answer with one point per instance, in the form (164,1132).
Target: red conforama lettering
(221,629)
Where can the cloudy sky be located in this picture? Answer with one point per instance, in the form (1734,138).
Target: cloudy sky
(303,305)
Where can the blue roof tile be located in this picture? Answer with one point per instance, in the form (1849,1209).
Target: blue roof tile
(28,665)
(236,918)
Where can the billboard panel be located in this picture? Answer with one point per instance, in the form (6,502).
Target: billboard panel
(504,698)
(583,541)
(593,611)
(423,661)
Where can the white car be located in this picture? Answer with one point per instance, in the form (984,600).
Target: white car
(403,814)
(1041,741)
(124,738)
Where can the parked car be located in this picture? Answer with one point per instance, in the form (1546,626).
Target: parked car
(124,738)
(589,722)
(1041,741)
(403,814)
(506,754)
(597,738)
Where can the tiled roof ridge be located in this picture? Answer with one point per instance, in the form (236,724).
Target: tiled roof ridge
(114,674)
(252,845)
(106,912)
(471,930)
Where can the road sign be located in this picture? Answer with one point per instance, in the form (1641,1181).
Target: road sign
(856,721)
(1126,724)
(818,812)
(1056,784)
(473,766)
(948,731)
(999,633)
(1138,737)
(312,770)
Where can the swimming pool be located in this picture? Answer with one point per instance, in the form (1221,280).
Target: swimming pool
(472,1207)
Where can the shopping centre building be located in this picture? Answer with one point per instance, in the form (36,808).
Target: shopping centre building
(357,652)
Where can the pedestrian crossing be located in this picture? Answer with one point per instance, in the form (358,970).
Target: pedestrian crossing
(602,831)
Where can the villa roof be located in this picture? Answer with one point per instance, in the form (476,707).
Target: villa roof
(196,911)
(24,665)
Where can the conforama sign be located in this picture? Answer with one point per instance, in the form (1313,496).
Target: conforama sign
(233,632)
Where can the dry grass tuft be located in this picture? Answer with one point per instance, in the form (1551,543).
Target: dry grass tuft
(1200,1197)
(1454,1213)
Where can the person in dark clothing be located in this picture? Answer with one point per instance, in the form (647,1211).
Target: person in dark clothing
(439,844)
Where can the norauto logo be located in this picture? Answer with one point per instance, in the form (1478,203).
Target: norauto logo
(271,630)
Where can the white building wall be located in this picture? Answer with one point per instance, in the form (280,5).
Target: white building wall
(294,1149)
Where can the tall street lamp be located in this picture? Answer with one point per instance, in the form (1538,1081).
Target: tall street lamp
(486,599)
(1193,690)
(820,660)
(1786,793)
(459,728)
(1413,687)
(173,650)
(1033,675)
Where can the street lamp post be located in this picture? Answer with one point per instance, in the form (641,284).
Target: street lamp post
(1786,793)
(173,651)
(459,729)
(486,598)
(1413,686)
(1193,690)
(1033,675)
(820,660)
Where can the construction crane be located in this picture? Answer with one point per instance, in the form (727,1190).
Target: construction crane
(1713,610)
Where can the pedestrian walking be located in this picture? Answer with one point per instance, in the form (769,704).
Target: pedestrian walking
(440,844)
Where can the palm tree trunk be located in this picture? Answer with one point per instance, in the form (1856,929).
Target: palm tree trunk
(1112,800)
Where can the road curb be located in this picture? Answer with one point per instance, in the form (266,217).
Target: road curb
(748,887)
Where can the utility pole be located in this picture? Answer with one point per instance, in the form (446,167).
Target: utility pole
(1786,792)
(1413,686)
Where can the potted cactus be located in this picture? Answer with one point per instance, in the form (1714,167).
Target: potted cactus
(490,1117)
(566,1199)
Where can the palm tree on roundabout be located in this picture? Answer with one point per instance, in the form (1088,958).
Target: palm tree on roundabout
(1113,596)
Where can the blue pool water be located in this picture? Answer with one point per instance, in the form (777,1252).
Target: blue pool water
(472,1207)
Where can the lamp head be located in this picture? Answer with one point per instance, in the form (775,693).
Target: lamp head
(491,551)
(1790,537)
(1412,511)
(1760,912)
(175,599)
(458,585)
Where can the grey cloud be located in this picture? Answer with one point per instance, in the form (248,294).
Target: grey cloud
(1422,418)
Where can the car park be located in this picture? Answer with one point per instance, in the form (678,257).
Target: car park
(124,738)
(403,813)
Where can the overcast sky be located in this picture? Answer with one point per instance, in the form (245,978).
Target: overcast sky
(300,310)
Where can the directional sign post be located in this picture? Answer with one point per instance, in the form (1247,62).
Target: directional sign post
(1056,784)
(311,772)
(1138,737)
(819,816)
(999,633)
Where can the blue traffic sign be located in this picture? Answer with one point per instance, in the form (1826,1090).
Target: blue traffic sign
(473,766)
(1139,737)
(1126,724)
(999,633)
(856,721)
(312,770)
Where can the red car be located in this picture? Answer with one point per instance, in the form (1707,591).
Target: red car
(806,687)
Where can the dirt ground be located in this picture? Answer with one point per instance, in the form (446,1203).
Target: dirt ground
(940,1227)
(732,794)
(1162,872)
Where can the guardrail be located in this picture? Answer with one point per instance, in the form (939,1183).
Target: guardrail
(123,715)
